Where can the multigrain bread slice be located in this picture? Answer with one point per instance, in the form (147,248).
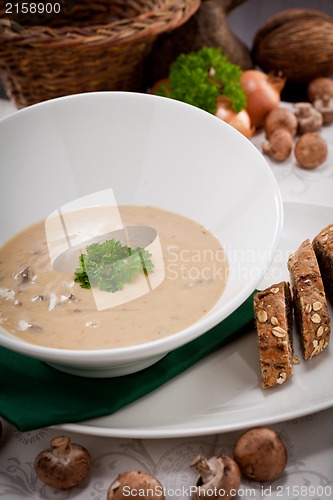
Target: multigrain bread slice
(309,299)
(323,247)
(273,318)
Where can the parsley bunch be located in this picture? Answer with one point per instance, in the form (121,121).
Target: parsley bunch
(199,78)
(109,265)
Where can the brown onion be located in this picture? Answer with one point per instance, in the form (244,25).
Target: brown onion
(262,94)
(240,121)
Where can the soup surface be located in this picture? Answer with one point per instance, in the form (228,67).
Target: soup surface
(43,305)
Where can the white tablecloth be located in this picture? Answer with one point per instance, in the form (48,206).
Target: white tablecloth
(309,440)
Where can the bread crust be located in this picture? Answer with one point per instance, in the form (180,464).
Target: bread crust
(323,248)
(273,318)
(309,298)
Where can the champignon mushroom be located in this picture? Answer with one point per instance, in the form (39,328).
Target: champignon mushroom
(219,477)
(311,150)
(280,118)
(64,465)
(319,87)
(309,119)
(325,106)
(135,484)
(279,145)
(26,275)
(261,454)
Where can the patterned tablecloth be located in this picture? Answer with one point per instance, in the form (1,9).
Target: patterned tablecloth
(309,439)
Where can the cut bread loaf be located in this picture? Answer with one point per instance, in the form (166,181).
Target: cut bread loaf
(309,299)
(273,317)
(323,247)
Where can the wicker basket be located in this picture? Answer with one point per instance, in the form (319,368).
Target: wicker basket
(88,46)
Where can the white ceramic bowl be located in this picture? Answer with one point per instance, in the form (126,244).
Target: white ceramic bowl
(150,151)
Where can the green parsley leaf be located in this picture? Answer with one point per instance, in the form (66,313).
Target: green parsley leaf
(200,77)
(109,265)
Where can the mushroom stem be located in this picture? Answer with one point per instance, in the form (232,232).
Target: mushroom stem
(208,468)
(325,106)
(64,464)
(304,109)
(61,446)
(135,483)
(326,100)
(210,471)
(279,146)
(309,118)
(218,477)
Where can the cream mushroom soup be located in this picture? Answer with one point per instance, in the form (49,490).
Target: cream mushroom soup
(43,305)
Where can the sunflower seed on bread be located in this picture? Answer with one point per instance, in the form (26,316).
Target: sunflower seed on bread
(309,299)
(323,247)
(273,318)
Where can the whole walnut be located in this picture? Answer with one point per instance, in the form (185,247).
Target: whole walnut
(309,54)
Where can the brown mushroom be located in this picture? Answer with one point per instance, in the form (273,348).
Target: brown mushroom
(261,454)
(64,465)
(311,150)
(279,145)
(135,484)
(26,275)
(309,119)
(280,118)
(325,106)
(319,87)
(219,477)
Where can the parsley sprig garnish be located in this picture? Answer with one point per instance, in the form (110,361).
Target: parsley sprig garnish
(109,265)
(200,77)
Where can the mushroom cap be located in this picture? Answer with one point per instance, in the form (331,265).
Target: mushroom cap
(279,146)
(64,465)
(280,118)
(135,483)
(319,87)
(311,150)
(261,454)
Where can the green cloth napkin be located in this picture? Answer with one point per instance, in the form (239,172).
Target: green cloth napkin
(35,395)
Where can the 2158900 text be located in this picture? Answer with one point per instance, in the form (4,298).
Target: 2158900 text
(32,8)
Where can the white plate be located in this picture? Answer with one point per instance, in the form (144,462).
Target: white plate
(222,392)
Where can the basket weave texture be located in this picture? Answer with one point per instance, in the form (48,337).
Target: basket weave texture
(88,46)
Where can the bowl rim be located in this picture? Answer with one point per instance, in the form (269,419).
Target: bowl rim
(170,342)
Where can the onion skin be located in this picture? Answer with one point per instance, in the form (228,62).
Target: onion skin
(240,121)
(263,94)
(164,82)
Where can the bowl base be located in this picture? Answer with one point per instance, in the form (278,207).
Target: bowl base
(108,372)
